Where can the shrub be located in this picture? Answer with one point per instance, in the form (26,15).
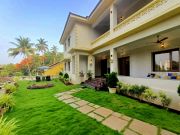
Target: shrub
(16,79)
(66,76)
(81,74)
(6,101)
(124,88)
(7,127)
(178,90)
(165,100)
(38,78)
(61,74)
(48,78)
(10,88)
(18,74)
(112,79)
(149,95)
(89,75)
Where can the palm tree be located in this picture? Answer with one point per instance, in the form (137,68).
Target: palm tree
(54,51)
(23,46)
(42,46)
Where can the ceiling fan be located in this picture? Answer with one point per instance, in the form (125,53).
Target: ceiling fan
(160,40)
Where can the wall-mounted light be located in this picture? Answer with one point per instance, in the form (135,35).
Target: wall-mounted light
(162,45)
(91,61)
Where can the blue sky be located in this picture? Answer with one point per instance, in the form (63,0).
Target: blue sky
(35,19)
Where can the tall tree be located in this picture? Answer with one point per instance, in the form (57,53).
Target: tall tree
(42,47)
(54,51)
(24,47)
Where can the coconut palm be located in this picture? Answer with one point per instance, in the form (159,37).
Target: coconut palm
(42,46)
(24,47)
(54,51)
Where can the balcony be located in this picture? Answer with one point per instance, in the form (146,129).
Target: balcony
(150,14)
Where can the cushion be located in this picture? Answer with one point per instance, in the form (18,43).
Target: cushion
(178,77)
(170,74)
(173,77)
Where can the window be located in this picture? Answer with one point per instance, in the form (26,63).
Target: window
(69,41)
(166,61)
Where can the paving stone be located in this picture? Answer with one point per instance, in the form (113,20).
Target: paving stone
(86,109)
(165,132)
(64,97)
(126,117)
(81,102)
(91,104)
(143,128)
(115,123)
(77,99)
(59,94)
(103,111)
(96,106)
(129,132)
(116,114)
(74,105)
(95,116)
(70,100)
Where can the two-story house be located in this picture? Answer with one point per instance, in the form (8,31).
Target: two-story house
(138,39)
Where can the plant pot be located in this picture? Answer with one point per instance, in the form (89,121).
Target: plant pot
(112,90)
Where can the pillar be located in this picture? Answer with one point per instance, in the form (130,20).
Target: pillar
(113,17)
(113,60)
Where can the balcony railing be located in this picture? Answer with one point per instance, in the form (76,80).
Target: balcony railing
(146,10)
(148,13)
(105,35)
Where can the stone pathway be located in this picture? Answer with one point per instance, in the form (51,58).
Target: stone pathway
(109,118)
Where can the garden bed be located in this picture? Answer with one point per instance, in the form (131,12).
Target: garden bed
(40,86)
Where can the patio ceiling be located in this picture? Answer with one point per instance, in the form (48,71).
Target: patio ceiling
(173,39)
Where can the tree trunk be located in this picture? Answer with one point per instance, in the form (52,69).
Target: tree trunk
(29,70)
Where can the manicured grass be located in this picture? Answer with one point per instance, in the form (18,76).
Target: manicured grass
(133,108)
(39,113)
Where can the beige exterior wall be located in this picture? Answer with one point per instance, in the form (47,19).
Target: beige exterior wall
(85,35)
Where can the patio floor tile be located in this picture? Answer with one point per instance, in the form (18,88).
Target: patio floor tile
(143,128)
(165,132)
(81,102)
(86,109)
(103,111)
(129,132)
(115,123)
(95,116)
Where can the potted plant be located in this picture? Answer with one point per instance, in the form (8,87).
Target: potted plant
(81,75)
(112,81)
(179,90)
(66,78)
(89,75)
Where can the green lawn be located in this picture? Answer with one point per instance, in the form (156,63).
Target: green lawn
(133,108)
(39,113)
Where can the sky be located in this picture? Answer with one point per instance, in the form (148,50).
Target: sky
(36,19)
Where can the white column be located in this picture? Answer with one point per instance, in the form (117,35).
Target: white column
(77,65)
(113,60)
(91,64)
(113,17)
